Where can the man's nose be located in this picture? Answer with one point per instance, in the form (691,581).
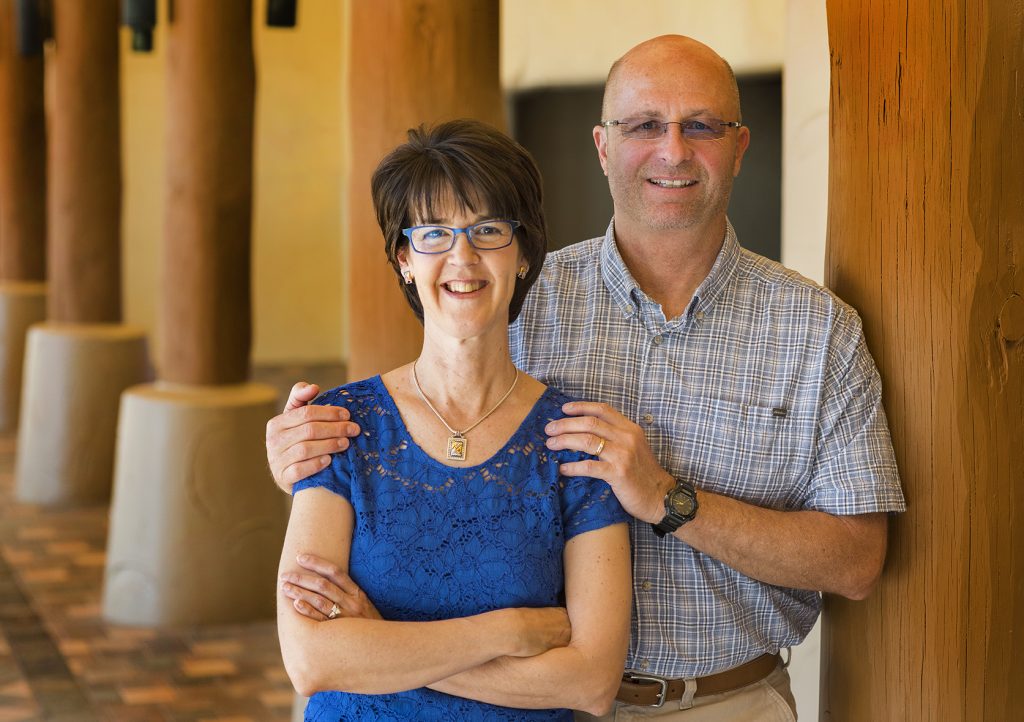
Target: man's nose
(675,147)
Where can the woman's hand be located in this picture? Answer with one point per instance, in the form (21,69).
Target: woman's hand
(541,629)
(315,593)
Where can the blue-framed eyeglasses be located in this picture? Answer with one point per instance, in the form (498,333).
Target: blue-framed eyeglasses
(693,129)
(483,236)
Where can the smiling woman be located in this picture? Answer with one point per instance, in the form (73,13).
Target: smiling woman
(461,166)
(463,575)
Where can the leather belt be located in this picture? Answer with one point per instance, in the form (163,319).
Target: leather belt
(650,691)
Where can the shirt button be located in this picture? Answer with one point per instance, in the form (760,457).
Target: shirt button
(646,586)
(644,664)
(658,340)
(648,419)
(699,315)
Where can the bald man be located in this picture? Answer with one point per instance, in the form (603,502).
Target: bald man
(734,408)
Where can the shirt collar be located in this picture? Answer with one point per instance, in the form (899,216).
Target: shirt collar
(720,275)
(626,292)
(617,278)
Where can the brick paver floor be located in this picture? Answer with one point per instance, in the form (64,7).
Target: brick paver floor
(60,661)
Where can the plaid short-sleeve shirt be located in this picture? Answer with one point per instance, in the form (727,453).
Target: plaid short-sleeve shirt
(762,390)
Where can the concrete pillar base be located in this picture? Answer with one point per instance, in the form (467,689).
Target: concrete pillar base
(22,304)
(196,524)
(74,376)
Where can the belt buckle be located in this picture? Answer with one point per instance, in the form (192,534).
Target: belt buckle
(647,678)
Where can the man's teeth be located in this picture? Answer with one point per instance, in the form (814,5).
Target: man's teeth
(464,286)
(672,183)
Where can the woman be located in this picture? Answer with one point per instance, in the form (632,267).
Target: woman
(486,586)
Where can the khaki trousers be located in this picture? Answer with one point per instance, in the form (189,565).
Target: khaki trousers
(769,700)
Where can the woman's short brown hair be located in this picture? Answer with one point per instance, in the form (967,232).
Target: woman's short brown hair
(473,164)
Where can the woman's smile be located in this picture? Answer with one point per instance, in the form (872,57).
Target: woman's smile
(460,288)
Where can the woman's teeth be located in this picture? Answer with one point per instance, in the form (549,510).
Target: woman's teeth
(463,286)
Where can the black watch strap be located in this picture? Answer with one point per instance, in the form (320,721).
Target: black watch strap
(680,508)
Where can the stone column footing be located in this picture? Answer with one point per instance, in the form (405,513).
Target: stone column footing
(73,378)
(196,522)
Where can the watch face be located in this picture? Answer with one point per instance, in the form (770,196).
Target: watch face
(681,503)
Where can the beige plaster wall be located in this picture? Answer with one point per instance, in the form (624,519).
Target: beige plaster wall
(805,94)
(575,41)
(297,203)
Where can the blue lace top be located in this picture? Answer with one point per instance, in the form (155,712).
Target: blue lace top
(437,542)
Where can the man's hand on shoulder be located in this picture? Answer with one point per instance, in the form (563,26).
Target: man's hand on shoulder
(301,439)
(625,459)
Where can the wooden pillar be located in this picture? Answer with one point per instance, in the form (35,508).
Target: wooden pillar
(85,164)
(211,77)
(926,239)
(80,360)
(190,452)
(409,63)
(22,209)
(22,158)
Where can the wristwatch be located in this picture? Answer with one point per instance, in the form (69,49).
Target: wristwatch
(680,507)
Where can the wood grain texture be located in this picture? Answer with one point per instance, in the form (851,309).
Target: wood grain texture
(22,158)
(926,236)
(84,203)
(410,62)
(205,315)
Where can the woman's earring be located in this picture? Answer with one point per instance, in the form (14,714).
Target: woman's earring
(407,275)
(522,272)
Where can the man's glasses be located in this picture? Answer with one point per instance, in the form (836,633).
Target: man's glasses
(483,236)
(650,129)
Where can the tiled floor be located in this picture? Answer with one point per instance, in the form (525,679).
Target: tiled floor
(60,661)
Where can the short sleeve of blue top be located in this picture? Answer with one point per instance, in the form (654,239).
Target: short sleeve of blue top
(437,542)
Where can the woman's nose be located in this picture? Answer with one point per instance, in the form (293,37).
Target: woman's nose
(462,251)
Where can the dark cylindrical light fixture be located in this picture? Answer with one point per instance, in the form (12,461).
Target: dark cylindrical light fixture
(140,16)
(281,13)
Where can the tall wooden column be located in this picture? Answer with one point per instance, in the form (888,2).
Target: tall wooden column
(408,63)
(190,447)
(211,90)
(926,239)
(80,360)
(22,209)
(85,163)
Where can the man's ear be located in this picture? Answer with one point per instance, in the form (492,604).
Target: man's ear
(742,143)
(601,141)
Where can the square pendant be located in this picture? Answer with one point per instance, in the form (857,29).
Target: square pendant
(457,448)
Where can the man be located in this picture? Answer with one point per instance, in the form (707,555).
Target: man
(735,412)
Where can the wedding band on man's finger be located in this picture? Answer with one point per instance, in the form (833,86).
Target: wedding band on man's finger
(600,448)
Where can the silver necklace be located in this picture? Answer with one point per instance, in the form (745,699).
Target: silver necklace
(457,443)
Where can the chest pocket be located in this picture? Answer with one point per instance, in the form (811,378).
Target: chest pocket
(755,453)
